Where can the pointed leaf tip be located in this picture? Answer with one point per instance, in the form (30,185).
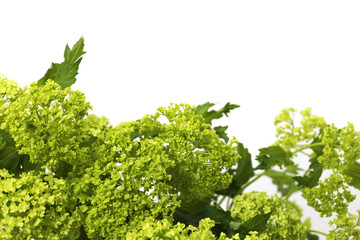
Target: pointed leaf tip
(64,73)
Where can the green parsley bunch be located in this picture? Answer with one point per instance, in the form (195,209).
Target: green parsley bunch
(68,174)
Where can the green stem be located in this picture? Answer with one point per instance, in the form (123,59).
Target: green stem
(308,146)
(316,231)
(221,200)
(251,182)
(228,205)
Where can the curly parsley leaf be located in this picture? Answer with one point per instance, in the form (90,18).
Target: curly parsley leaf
(64,73)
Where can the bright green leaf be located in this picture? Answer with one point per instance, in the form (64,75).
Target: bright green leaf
(271,156)
(64,73)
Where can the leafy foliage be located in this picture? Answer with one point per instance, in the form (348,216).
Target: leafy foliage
(241,175)
(209,116)
(64,73)
(67,174)
(271,156)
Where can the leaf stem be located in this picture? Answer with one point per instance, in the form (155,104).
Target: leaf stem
(308,146)
(316,231)
(251,182)
(221,200)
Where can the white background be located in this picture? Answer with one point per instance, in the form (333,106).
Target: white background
(262,55)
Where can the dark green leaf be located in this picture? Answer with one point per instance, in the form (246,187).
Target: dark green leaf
(353,170)
(311,179)
(9,158)
(227,108)
(222,218)
(311,236)
(88,142)
(242,173)
(318,150)
(271,156)
(244,169)
(63,169)
(257,223)
(194,205)
(64,73)
(5,136)
(220,131)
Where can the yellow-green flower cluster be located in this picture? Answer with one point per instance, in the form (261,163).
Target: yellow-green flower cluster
(346,226)
(115,197)
(162,229)
(141,166)
(116,177)
(289,135)
(48,124)
(8,88)
(341,147)
(197,151)
(332,195)
(285,219)
(36,206)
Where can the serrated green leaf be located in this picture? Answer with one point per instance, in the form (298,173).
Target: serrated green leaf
(353,170)
(271,156)
(202,109)
(228,107)
(318,150)
(211,115)
(220,131)
(64,73)
(311,179)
